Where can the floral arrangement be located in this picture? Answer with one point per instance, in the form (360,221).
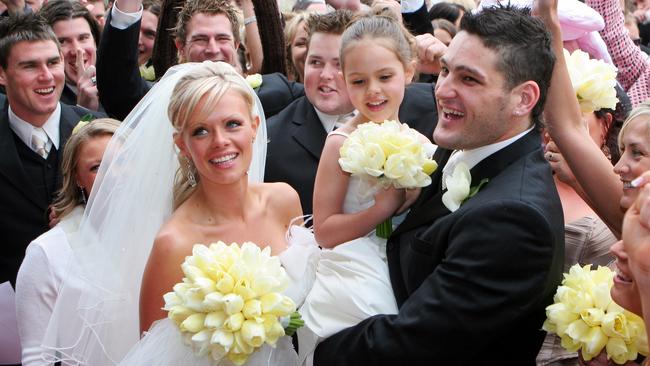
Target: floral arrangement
(585,317)
(230,303)
(254,80)
(593,80)
(392,153)
(458,187)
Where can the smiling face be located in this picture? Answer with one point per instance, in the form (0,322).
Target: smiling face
(75,35)
(89,157)
(324,84)
(635,157)
(475,108)
(375,79)
(209,37)
(624,290)
(148,28)
(299,49)
(33,80)
(220,144)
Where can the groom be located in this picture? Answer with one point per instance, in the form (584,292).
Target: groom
(472,284)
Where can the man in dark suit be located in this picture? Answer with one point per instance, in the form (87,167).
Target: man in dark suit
(472,281)
(34,127)
(297,134)
(208,30)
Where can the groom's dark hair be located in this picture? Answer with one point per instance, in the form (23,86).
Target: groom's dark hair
(522,43)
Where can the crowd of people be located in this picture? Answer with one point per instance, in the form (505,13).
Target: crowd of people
(132,130)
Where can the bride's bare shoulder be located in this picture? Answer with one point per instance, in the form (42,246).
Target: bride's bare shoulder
(281,198)
(173,236)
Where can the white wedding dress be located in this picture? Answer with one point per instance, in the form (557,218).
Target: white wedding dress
(95,320)
(352,280)
(164,345)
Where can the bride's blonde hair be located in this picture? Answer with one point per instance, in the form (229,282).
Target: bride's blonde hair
(194,97)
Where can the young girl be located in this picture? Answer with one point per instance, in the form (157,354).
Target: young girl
(352,281)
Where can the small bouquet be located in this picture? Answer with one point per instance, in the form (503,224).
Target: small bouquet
(230,302)
(390,153)
(593,80)
(585,317)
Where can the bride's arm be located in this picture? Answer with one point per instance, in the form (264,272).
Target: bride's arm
(162,272)
(333,227)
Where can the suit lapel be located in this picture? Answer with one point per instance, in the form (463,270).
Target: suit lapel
(429,205)
(309,132)
(69,120)
(10,164)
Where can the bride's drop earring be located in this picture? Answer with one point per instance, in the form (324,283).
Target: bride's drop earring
(83,194)
(190,175)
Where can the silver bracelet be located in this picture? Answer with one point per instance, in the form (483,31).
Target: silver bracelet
(250,20)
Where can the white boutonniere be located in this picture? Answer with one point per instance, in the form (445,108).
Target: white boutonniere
(458,187)
(254,80)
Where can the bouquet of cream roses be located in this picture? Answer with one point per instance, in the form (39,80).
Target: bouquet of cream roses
(585,317)
(593,80)
(230,302)
(390,153)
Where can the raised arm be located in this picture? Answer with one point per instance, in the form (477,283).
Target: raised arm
(119,82)
(565,126)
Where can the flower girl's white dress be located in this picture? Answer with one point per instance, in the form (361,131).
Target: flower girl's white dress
(163,344)
(352,281)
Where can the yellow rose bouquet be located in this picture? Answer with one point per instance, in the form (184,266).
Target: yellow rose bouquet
(390,153)
(230,301)
(585,317)
(593,80)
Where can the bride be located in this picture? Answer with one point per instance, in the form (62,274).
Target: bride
(218,128)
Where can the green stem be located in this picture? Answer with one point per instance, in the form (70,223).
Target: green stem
(385,228)
(295,322)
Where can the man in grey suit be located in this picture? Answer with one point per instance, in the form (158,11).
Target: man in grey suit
(34,127)
(297,134)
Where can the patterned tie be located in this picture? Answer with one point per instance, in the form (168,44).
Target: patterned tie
(39,142)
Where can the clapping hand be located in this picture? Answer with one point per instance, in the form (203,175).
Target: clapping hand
(87,94)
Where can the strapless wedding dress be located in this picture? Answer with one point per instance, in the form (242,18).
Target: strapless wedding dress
(163,344)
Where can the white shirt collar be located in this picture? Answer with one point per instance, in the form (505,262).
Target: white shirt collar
(329,120)
(24,129)
(474,156)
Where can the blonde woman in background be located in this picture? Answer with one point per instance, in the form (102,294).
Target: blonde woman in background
(48,256)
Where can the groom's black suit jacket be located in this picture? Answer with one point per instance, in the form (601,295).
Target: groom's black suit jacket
(471,285)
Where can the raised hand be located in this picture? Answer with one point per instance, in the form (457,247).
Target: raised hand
(14,6)
(430,49)
(87,94)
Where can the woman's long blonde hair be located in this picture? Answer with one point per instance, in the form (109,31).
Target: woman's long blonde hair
(70,195)
(202,88)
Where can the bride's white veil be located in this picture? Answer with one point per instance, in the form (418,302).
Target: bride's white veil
(95,318)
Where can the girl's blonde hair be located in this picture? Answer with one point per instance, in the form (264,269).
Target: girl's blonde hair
(642,109)
(70,195)
(194,97)
(382,26)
